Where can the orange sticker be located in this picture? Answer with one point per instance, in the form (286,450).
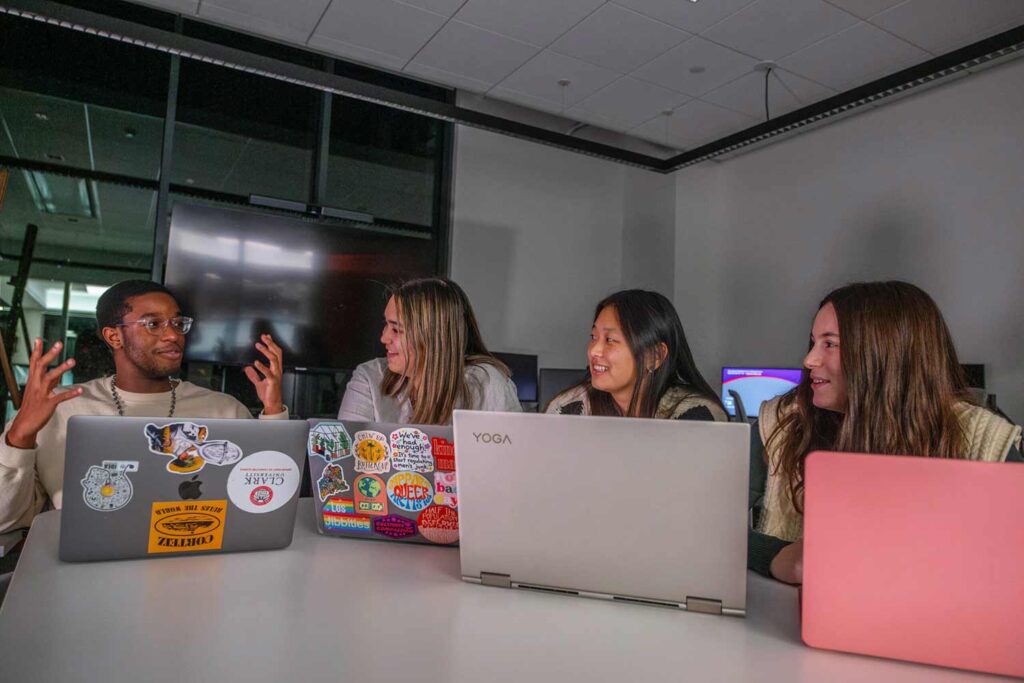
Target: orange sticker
(185,527)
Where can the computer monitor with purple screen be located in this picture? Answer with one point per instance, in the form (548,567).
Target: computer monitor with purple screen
(756,385)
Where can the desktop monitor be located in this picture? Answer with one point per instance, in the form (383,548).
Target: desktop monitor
(524,374)
(756,385)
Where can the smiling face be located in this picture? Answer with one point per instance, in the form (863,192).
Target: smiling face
(823,362)
(393,338)
(612,365)
(148,355)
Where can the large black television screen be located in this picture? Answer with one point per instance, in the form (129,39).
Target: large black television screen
(319,289)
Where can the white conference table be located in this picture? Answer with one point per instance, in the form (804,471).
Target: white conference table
(328,609)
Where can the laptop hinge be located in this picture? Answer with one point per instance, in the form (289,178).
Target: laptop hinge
(703,605)
(496,580)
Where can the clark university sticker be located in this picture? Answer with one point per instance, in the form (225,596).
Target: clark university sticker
(184,527)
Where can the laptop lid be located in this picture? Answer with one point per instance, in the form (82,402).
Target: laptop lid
(628,509)
(385,481)
(915,558)
(153,487)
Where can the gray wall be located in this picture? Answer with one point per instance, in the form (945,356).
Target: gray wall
(926,189)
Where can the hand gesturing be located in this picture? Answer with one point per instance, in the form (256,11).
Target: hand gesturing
(40,400)
(268,387)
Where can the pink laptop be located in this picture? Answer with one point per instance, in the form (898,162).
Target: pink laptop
(915,558)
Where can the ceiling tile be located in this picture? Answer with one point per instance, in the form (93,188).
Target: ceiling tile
(539,78)
(293,21)
(595,119)
(383,26)
(786,92)
(524,100)
(356,53)
(770,29)
(442,77)
(445,7)
(176,6)
(673,69)
(689,16)
(865,8)
(533,21)
(474,53)
(854,57)
(697,123)
(943,25)
(631,101)
(618,38)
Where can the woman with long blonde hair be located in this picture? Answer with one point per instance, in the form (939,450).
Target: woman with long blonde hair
(881,376)
(436,361)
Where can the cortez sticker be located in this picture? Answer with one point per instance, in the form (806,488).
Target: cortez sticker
(444,454)
(186,443)
(439,524)
(446,490)
(410,450)
(371,497)
(338,516)
(178,527)
(330,441)
(263,482)
(331,481)
(105,490)
(372,453)
(410,491)
(394,526)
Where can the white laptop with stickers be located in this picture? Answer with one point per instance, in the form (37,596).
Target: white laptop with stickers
(641,511)
(152,487)
(390,482)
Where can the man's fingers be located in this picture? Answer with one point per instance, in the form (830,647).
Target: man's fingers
(54,375)
(67,395)
(50,355)
(251,374)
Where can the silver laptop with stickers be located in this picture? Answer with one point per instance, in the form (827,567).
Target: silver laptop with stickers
(385,481)
(152,487)
(640,511)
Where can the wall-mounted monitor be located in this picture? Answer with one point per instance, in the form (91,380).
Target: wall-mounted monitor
(318,288)
(756,385)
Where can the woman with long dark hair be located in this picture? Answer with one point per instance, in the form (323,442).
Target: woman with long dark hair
(639,365)
(436,361)
(881,376)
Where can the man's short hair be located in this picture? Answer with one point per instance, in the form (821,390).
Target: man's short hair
(113,303)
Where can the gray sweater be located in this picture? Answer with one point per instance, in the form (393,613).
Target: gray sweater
(489,389)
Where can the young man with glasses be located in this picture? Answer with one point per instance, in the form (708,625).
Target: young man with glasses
(144,328)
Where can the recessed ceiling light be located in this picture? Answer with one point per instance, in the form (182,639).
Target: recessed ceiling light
(697,69)
(190,181)
(42,116)
(130,132)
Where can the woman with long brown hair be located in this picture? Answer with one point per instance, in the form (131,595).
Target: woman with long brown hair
(881,376)
(436,361)
(639,365)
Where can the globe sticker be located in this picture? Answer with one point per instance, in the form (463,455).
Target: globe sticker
(410,450)
(373,456)
(370,495)
(331,481)
(410,491)
(263,482)
(330,441)
(104,490)
(446,490)
(439,524)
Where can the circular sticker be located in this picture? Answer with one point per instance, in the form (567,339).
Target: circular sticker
(410,491)
(220,452)
(263,482)
(439,524)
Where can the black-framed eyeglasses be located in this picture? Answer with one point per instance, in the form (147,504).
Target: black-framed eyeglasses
(182,324)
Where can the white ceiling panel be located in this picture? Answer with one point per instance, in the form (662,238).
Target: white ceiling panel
(532,21)
(689,16)
(474,53)
(714,65)
(385,26)
(854,57)
(595,119)
(943,25)
(445,7)
(525,100)
(293,21)
(357,53)
(770,29)
(539,78)
(619,39)
(865,8)
(631,101)
(176,6)
(696,123)
(786,92)
(442,77)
